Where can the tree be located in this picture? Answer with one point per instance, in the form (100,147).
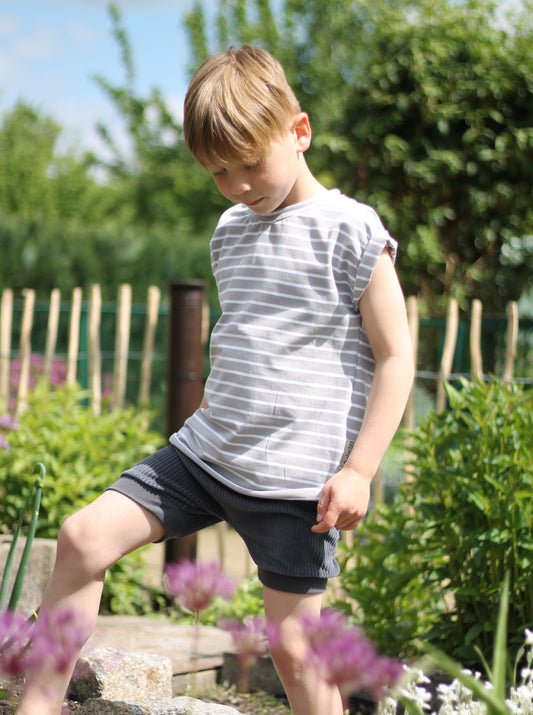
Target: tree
(35,183)
(160,181)
(424,109)
(27,143)
(438,122)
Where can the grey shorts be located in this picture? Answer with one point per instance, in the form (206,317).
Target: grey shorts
(289,556)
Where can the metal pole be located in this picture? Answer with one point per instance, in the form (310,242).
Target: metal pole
(185,377)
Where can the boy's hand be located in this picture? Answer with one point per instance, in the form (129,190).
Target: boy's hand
(343,502)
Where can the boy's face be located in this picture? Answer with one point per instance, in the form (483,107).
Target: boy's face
(272,182)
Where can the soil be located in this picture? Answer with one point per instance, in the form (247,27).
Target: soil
(251,703)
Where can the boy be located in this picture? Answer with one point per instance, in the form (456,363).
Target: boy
(311,367)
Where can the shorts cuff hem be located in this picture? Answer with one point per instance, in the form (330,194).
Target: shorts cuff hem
(292,584)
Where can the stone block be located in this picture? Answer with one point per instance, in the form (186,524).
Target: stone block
(172,706)
(40,565)
(200,682)
(263,675)
(118,675)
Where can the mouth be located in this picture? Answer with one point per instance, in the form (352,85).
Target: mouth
(252,204)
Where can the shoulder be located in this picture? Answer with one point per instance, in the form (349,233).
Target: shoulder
(238,213)
(347,209)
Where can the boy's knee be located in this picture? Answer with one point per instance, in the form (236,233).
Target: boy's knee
(289,657)
(76,543)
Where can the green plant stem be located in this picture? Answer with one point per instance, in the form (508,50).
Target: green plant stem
(21,572)
(11,554)
(495,704)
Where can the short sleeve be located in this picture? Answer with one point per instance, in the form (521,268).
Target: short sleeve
(378,240)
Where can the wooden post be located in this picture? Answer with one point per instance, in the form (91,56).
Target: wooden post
(122,341)
(95,355)
(6,321)
(512,338)
(51,332)
(185,376)
(413,320)
(476,359)
(74,336)
(450,340)
(25,350)
(409,415)
(152,315)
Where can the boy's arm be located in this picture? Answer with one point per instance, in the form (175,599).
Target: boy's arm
(345,496)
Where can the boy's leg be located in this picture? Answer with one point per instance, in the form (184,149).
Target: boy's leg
(88,543)
(306,693)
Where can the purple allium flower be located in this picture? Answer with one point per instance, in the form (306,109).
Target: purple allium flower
(51,642)
(8,422)
(4,444)
(249,638)
(15,632)
(195,585)
(57,638)
(344,657)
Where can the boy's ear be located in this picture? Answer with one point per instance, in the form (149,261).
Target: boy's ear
(302,131)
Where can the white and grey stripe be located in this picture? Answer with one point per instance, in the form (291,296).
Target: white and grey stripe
(291,366)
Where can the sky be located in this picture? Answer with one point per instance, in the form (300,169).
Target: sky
(51,49)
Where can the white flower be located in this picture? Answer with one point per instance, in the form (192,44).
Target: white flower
(526,673)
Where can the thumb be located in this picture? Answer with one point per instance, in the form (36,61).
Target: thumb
(322,510)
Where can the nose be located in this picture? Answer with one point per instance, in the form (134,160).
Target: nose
(238,184)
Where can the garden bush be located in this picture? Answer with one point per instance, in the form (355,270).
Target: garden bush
(82,455)
(432,564)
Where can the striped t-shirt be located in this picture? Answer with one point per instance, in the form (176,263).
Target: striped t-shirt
(291,366)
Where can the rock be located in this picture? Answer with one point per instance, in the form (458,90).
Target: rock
(117,675)
(40,565)
(262,676)
(171,706)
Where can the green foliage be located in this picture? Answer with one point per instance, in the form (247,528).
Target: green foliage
(83,455)
(35,491)
(246,601)
(432,565)
(37,185)
(426,115)
(45,255)
(422,109)
(160,182)
(438,122)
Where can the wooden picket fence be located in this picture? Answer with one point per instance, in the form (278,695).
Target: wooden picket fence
(121,350)
(152,314)
(220,535)
(449,346)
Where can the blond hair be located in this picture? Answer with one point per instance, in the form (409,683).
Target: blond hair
(237,103)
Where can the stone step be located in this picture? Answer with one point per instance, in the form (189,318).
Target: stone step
(189,648)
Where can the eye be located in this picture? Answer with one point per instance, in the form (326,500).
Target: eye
(219,172)
(255,165)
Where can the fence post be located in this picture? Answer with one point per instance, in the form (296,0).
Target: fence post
(152,314)
(51,333)
(6,321)
(450,340)
(512,337)
(95,355)
(122,342)
(476,359)
(185,376)
(25,350)
(74,336)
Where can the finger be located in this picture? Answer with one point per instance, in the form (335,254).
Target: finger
(328,520)
(323,504)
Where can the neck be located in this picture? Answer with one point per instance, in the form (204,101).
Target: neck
(306,185)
